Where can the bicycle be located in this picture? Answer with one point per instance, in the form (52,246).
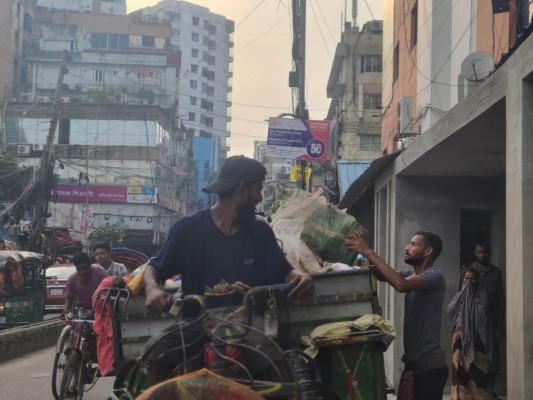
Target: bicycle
(73,370)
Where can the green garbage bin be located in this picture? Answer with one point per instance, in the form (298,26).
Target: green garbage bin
(353,367)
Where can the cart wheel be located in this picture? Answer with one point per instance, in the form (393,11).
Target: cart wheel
(72,380)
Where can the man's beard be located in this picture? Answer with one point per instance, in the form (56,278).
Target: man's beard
(245,214)
(414,261)
(483,261)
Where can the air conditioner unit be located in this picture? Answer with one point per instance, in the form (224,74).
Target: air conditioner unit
(37,147)
(23,149)
(43,99)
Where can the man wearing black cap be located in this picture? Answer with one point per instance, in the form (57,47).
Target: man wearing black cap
(224,243)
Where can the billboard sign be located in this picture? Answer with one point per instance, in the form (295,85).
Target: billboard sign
(298,139)
(69,193)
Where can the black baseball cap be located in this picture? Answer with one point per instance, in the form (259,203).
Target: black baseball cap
(237,169)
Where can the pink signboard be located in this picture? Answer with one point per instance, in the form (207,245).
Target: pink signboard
(91,194)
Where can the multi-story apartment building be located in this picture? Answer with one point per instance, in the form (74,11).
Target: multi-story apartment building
(119,142)
(205,40)
(16,21)
(115,59)
(354,87)
(117,7)
(424,45)
(127,163)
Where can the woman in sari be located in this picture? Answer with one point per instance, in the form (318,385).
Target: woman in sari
(471,369)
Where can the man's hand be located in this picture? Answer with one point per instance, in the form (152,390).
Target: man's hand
(355,242)
(156,299)
(303,285)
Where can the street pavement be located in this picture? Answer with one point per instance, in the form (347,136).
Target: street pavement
(29,377)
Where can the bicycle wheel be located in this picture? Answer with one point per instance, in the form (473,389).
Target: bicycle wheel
(71,382)
(58,369)
(60,360)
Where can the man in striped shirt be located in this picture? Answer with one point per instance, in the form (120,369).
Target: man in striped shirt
(102,255)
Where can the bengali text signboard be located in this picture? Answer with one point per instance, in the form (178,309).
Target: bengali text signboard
(120,194)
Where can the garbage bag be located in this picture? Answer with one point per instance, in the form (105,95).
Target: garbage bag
(325,230)
(288,223)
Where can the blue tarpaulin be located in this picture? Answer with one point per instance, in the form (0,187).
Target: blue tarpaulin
(349,171)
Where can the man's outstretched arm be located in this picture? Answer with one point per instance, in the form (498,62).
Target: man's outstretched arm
(356,243)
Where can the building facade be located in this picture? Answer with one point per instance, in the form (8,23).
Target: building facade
(205,41)
(17,21)
(115,59)
(116,7)
(425,43)
(354,87)
(123,166)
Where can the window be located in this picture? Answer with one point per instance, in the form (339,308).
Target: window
(372,102)
(194,53)
(207,121)
(194,68)
(192,116)
(148,41)
(414,24)
(98,75)
(206,73)
(208,90)
(369,142)
(205,134)
(396,63)
(117,41)
(28,23)
(207,105)
(195,37)
(193,100)
(212,30)
(64,131)
(370,64)
(194,84)
(209,59)
(196,21)
(99,40)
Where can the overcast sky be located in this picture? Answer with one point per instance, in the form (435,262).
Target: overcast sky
(262,58)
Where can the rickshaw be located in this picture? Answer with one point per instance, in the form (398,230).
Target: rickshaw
(256,344)
(22,288)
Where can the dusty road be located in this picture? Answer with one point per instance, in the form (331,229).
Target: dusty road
(29,377)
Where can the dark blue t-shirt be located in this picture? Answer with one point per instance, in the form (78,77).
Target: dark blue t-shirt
(204,256)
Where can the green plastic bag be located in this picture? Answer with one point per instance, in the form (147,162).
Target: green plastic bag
(324,233)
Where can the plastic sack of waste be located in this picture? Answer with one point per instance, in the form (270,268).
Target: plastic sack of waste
(288,223)
(325,230)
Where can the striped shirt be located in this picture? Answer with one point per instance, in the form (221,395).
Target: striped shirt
(115,269)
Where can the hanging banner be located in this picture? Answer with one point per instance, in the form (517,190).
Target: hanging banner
(293,138)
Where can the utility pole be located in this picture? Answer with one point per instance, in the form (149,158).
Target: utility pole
(45,178)
(299,8)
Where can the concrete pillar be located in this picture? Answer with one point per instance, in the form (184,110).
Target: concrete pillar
(519,234)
